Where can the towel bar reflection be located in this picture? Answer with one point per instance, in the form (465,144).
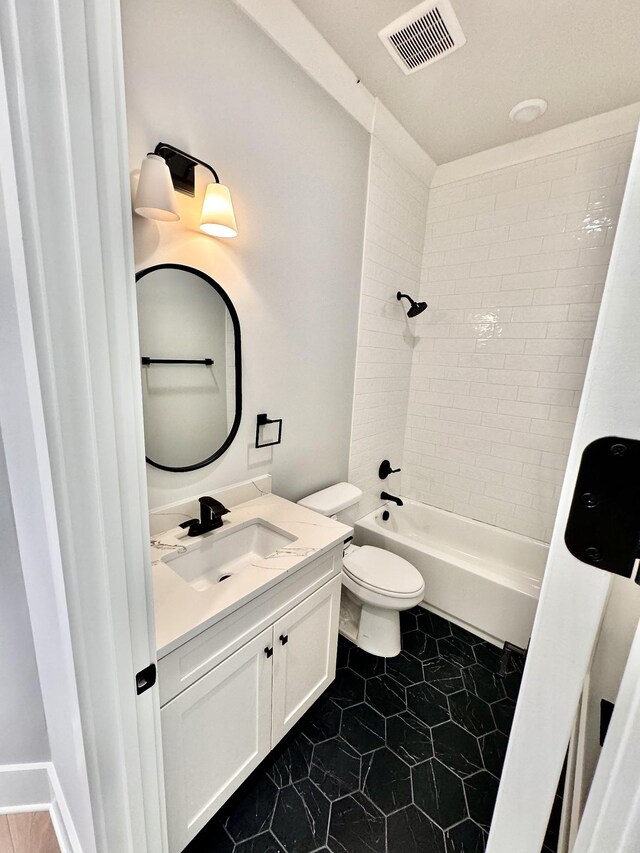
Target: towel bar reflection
(147,361)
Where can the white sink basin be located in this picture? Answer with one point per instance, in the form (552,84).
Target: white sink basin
(224,553)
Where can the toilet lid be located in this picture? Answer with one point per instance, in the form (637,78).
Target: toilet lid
(381,570)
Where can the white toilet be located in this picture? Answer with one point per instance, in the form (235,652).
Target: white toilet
(376,584)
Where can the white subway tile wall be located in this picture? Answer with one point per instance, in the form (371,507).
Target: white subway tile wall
(394,237)
(514,266)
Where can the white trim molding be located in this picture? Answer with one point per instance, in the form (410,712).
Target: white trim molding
(71,414)
(24,787)
(575,135)
(36,788)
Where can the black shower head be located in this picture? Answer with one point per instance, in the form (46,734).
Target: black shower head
(415,308)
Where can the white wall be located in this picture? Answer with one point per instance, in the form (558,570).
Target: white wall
(394,236)
(23,734)
(210,82)
(514,266)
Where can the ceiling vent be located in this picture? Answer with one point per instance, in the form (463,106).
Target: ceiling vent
(424,35)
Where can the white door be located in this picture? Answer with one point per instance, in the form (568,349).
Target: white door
(573,593)
(214,734)
(305,642)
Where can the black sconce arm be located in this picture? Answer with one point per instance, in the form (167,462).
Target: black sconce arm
(182,167)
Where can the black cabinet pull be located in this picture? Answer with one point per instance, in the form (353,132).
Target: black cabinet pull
(268,651)
(284,639)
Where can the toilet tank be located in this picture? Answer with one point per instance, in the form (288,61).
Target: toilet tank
(332,500)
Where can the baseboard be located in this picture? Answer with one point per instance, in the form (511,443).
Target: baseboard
(61,816)
(34,788)
(24,787)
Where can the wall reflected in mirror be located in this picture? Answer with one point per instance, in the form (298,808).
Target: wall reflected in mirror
(191,367)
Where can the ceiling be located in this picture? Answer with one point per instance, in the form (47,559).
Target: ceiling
(581,56)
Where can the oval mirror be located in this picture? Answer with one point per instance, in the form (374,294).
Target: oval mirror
(191,367)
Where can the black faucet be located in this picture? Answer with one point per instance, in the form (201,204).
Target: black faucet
(385,496)
(211,512)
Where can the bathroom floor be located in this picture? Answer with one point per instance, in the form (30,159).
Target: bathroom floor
(402,756)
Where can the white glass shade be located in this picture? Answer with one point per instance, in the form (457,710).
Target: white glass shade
(155,197)
(217,218)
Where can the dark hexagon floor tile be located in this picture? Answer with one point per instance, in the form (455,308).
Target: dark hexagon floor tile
(420,645)
(386,695)
(365,664)
(408,620)
(494,748)
(456,650)
(301,817)
(512,683)
(335,768)
(433,625)
(481,790)
(489,656)
(405,669)
(264,843)
(342,658)
(356,826)
(503,712)
(466,837)
(347,688)
(363,728)
(211,838)
(409,738)
(427,703)
(386,780)
(439,793)
(457,749)
(486,685)
(290,760)
(471,713)
(322,720)
(411,831)
(250,810)
(444,675)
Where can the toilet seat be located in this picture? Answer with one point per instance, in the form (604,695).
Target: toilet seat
(382,572)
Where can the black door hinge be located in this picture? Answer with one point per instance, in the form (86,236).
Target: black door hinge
(146,678)
(603,528)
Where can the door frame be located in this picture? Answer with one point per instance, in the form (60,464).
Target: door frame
(72,280)
(574,595)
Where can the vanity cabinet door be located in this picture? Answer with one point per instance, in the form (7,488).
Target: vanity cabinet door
(305,642)
(214,734)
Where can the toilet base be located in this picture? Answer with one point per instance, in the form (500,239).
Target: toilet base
(373,629)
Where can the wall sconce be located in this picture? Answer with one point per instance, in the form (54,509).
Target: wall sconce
(167,169)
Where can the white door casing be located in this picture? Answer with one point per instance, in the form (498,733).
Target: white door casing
(574,594)
(65,106)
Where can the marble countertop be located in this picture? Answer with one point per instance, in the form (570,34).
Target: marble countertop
(182,611)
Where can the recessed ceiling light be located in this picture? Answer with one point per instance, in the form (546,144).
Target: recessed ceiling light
(527,111)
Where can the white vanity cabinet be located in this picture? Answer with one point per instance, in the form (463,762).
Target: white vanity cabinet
(218,729)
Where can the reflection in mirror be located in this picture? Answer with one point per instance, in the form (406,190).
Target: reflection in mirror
(191,367)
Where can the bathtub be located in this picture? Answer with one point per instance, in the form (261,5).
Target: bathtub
(481,577)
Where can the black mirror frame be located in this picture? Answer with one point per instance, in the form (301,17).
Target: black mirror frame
(238,363)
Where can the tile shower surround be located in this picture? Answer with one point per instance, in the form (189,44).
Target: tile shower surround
(394,237)
(513,270)
(397,756)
